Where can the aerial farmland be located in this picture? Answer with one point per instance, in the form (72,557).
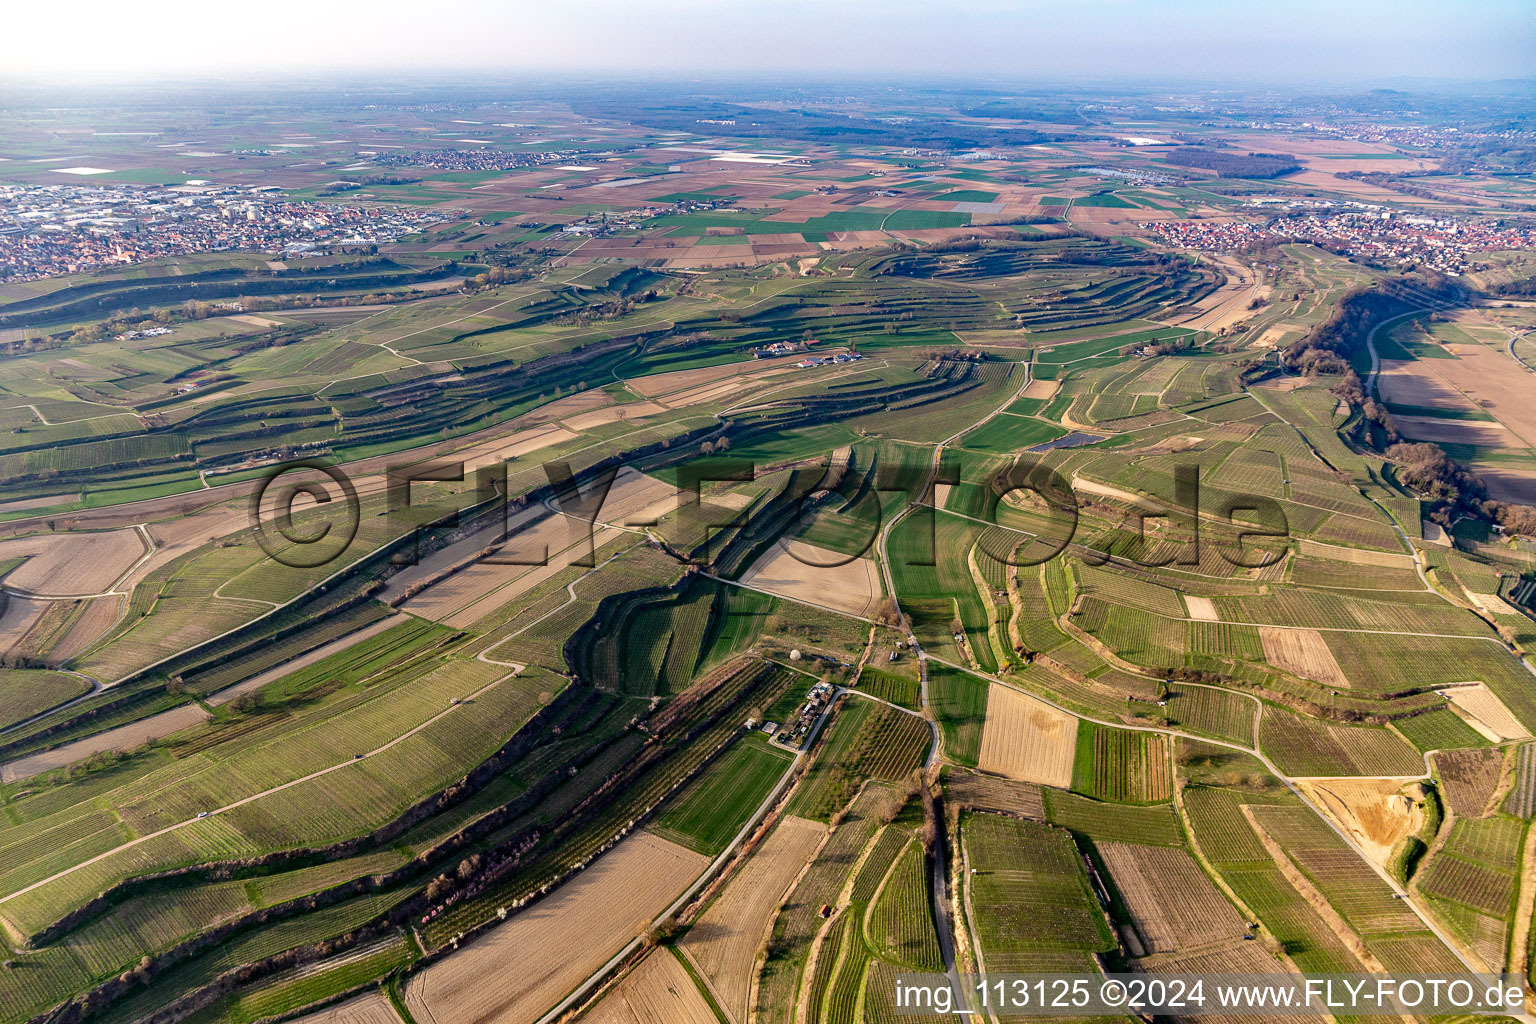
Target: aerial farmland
(513,553)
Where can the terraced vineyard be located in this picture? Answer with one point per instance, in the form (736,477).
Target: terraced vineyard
(939,540)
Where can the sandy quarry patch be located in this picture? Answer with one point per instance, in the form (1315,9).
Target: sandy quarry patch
(1172,902)
(805,572)
(372,1008)
(1486,713)
(1375,812)
(659,990)
(126,737)
(613,414)
(724,941)
(61,564)
(1356,556)
(515,972)
(1202,608)
(1301,652)
(1027,739)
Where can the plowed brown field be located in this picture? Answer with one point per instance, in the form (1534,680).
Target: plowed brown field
(520,969)
(1027,739)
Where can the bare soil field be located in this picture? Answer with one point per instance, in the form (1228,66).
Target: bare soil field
(492,453)
(372,1008)
(1507,483)
(60,564)
(19,616)
(636,499)
(590,400)
(1301,652)
(612,414)
(707,392)
(126,737)
(1487,713)
(47,501)
(471,613)
(1469,778)
(100,615)
(681,380)
(1027,739)
(659,990)
(175,537)
(1410,382)
(853,587)
(1481,433)
(1356,556)
(1202,608)
(1175,906)
(464,550)
(472,592)
(724,941)
(987,793)
(1486,377)
(1355,189)
(1239,957)
(518,970)
(1228,304)
(1375,812)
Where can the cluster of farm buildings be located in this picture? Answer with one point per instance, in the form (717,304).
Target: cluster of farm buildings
(60,229)
(1373,234)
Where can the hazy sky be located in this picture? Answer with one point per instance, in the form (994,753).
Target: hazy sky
(1293,40)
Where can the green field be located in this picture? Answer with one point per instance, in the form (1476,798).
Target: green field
(707,814)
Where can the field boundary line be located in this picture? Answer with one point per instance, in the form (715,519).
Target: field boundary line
(257,796)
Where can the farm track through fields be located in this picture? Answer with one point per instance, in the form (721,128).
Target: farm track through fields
(943,904)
